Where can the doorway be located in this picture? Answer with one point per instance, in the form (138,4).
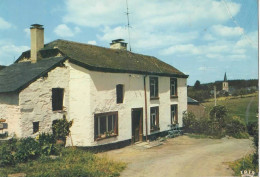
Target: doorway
(137,125)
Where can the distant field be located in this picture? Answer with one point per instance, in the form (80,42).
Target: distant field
(237,106)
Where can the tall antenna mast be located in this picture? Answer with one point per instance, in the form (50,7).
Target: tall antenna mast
(128,25)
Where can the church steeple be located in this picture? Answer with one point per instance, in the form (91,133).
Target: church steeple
(225,83)
(225,77)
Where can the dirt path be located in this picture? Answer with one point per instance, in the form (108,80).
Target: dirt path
(248,108)
(183,156)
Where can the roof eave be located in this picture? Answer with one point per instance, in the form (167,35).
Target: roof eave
(112,70)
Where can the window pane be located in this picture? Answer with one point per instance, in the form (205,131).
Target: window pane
(102,125)
(173,86)
(111,123)
(153,86)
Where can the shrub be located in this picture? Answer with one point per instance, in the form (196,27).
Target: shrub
(27,149)
(252,128)
(7,158)
(61,128)
(236,128)
(190,123)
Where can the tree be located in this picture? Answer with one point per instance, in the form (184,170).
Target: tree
(197,85)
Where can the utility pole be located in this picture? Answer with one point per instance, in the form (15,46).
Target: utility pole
(215,95)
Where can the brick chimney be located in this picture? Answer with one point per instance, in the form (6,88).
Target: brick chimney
(118,44)
(37,41)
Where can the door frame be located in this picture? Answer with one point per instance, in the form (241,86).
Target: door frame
(140,124)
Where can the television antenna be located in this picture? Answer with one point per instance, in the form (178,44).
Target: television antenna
(128,25)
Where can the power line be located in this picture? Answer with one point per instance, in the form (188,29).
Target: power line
(236,23)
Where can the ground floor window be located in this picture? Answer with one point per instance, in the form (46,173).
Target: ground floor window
(35,127)
(154,119)
(106,125)
(174,114)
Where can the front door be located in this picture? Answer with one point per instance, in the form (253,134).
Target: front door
(137,124)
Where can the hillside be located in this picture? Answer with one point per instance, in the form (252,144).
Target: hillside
(2,67)
(246,107)
(201,92)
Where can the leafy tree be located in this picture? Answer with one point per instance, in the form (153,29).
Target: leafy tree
(197,85)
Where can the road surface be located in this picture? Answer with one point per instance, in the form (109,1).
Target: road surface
(182,156)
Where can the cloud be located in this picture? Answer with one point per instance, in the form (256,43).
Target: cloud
(204,68)
(4,24)
(177,23)
(226,31)
(10,52)
(27,32)
(92,42)
(63,30)
(182,49)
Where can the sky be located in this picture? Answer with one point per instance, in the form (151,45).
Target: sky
(202,38)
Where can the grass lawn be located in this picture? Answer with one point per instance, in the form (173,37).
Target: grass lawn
(243,164)
(72,162)
(237,106)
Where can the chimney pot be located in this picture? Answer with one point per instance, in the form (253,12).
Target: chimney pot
(118,44)
(37,41)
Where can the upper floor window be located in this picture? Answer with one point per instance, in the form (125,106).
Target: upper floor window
(153,87)
(119,93)
(173,86)
(57,99)
(174,114)
(154,119)
(106,125)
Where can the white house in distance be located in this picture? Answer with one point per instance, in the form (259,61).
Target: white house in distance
(112,95)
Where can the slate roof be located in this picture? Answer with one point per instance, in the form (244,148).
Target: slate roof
(107,60)
(225,77)
(19,75)
(192,101)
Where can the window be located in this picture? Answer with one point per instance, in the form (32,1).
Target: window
(57,99)
(173,86)
(154,119)
(174,114)
(119,93)
(106,125)
(153,87)
(35,127)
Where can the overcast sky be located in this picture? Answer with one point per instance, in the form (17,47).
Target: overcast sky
(202,38)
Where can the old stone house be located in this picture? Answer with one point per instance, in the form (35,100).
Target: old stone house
(112,95)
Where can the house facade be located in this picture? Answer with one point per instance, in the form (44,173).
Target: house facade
(112,95)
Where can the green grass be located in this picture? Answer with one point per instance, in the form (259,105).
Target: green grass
(72,162)
(243,164)
(237,106)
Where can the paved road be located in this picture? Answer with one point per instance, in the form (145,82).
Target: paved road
(183,156)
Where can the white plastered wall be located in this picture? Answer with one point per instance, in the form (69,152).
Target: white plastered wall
(10,111)
(36,101)
(94,92)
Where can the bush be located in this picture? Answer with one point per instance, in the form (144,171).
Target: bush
(61,129)
(7,158)
(190,123)
(252,128)
(236,128)
(27,149)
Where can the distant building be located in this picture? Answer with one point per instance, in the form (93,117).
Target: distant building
(225,84)
(195,107)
